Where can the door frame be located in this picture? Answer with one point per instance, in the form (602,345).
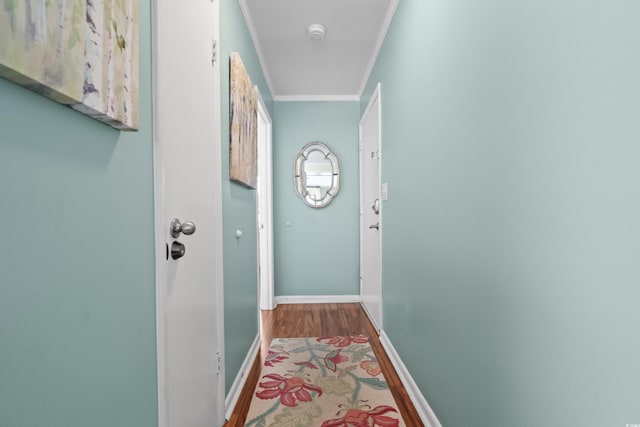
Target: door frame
(375,98)
(265,257)
(161,221)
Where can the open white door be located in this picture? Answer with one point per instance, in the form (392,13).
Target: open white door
(265,208)
(371,210)
(187,162)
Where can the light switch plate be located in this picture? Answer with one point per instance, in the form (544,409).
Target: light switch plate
(384,191)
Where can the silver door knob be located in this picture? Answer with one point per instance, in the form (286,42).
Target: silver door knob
(187,228)
(376,226)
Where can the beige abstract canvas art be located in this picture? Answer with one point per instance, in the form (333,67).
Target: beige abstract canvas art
(243,118)
(81,53)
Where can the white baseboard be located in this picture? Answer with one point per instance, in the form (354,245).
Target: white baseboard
(377,327)
(317,299)
(241,378)
(427,415)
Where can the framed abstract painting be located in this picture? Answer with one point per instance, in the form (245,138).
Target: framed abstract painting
(80,53)
(243,122)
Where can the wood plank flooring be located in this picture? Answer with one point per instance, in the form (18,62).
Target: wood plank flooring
(315,320)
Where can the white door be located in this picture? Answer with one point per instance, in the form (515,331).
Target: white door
(371,211)
(265,208)
(187,154)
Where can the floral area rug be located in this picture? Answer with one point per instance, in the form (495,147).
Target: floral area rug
(324,382)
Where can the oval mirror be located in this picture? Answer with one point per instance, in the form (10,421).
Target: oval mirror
(317,175)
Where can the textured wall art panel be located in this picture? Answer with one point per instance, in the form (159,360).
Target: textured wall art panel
(81,53)
(243,117)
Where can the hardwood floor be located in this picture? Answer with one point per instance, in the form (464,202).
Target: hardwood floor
(315,320)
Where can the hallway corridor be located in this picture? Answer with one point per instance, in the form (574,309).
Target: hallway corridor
(314,320)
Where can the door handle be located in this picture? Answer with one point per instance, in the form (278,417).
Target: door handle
(376,206)
(187,228)
(376,226)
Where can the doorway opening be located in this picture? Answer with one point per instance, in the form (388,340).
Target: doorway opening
(264,209)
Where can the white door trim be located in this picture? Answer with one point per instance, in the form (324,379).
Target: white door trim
(160,210)
(160,239)
(265,260)
(217,217)
(375,98)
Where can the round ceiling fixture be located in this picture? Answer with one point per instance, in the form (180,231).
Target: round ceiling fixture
(316,31)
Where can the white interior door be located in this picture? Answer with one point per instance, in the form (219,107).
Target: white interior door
(265,207)
(188,187)
(371,210)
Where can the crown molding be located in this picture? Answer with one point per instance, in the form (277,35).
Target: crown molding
(376,51)
(295,98)
(256,45)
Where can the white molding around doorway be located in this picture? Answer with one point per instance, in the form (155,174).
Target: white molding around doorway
(264,203)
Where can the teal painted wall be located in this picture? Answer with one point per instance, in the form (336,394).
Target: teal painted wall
(319,252)
(512,231)
(239,207)
(77,275)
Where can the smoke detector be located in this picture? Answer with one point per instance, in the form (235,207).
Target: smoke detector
(316,31)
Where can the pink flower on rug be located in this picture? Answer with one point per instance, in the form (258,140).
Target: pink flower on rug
(307,364)
(360,418)
(288,389)
(332,359)
(372,367)
(274,357)
(343,341)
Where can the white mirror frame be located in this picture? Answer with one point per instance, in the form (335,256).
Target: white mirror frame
(300,176)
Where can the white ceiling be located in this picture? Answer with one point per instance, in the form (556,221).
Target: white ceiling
(299,68)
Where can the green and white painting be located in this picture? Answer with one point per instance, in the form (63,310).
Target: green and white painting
(81,53)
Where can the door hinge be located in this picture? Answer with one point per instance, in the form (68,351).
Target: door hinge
(219,364)
(214,52)
(360,145)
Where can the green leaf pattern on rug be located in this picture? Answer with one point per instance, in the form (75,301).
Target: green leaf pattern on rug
(298,416)
(375,383)
(360,354)
(333,385)
(299,349)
